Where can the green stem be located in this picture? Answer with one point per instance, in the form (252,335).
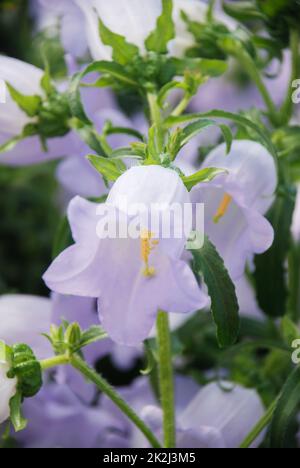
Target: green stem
(248,64)
(108,390)
(156,119)
(166,383)
(260,426)
(288,106)
(54,362)
(181,106)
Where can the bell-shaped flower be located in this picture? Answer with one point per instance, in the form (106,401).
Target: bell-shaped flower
(23,319)
(26,79)
(235,202)
(133,276)
(214,416)
(135,20)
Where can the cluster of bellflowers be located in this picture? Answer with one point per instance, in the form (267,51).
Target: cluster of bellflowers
(195,139)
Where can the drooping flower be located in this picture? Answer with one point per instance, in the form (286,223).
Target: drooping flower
(132,277)
(23,319)
(209,417)
(235,203)
(136,20)
(26,79)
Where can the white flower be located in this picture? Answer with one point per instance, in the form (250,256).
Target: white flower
(296,219)
(7,391)
(25,78)
(136,19)
(235,202)
(23,319)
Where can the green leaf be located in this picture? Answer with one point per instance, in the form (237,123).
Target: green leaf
(236,118)
(270,271)
(191,130)
(158,39)
(111,169)
(29,104)
(27,369)
(204,175)
(286,409)
(123,52)
(17,420)
(88,134)
(207,67)
(243,10)
(290,330)
(112,69)
(93,334)
(224,304)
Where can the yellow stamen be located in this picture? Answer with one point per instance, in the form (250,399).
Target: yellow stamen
(147,245)
(222,210)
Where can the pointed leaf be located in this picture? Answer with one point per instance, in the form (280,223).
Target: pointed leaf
(286,409)
(204,175)
(158,40)
(29,104)
(224,304)
(17,420)
(123,52)
(110,169)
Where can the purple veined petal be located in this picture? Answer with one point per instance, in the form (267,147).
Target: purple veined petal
(232,413)
(252,172)
(23,319)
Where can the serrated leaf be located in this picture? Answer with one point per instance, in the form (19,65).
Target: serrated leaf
(29,104)
(158,39)
(111,169)
(270,268)
(123,51)
(18,421)
(224,305)
(286,409)
(204,175)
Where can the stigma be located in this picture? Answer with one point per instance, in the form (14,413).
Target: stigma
(147,246)
(223,208)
